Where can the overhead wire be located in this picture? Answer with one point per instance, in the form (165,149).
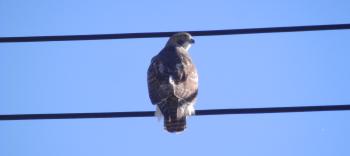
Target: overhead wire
(293,109)
(168,34)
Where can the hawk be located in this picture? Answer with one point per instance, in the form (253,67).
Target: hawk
(173,82)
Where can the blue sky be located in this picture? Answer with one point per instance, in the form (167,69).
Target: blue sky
(286,69)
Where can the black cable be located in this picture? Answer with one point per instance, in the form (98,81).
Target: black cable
(167,34)
(198,112)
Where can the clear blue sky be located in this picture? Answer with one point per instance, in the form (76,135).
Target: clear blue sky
(286,69)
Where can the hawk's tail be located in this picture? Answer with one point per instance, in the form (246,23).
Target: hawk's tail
(175,125)
(172,122)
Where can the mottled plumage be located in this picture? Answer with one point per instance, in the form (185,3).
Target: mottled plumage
(173,82)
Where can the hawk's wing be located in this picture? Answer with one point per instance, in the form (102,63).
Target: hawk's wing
(156,79)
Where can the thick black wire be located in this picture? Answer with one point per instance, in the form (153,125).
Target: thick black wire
(198,112)
(167,34)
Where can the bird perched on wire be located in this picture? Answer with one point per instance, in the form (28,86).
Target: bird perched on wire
(173,82)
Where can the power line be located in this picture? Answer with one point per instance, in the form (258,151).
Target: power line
(167,34)
(198,112)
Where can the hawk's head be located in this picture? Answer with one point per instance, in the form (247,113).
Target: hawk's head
(181,39)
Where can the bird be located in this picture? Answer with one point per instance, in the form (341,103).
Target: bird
(172,80)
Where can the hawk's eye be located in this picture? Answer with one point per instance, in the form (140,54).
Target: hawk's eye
(180,42)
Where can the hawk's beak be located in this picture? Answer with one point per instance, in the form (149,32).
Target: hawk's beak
(192,41)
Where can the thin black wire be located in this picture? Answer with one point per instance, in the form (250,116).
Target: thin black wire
(167,34)
(198,112)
